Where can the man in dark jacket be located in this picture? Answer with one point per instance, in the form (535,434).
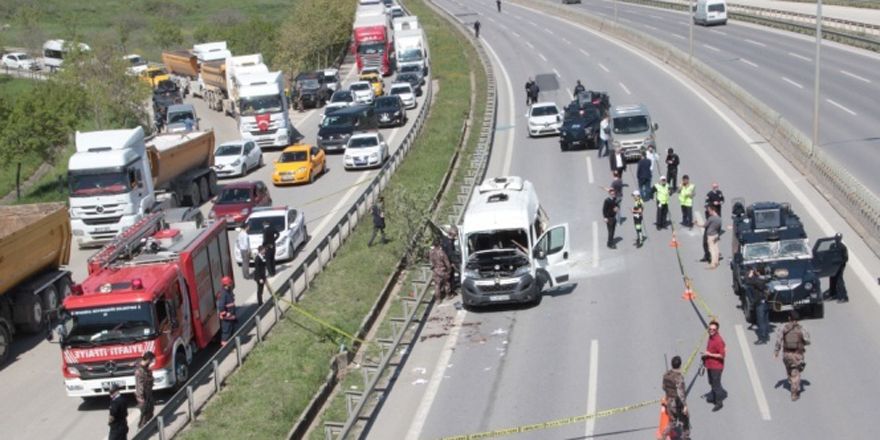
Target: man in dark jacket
(378,212)
(118,420)
(260,272)
(672,162)
(270,235)
(643,175)
(143,389)
(609,213)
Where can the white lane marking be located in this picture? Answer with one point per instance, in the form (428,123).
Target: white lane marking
(542,56)
(508,153)
(712,48)
(792,82)
(748,62)
(603,67)
(753,373)
(719,32)
(650,27)
(853,75)
(595,244)
(533,24)
(756,43)
(681,37)
(491,19)
(586,54)
(800,57)
(530,45)
(566,41)
(549,31)
(624,88)
(592,385)
(557,74)
(590,170)
(869,282)
(418,423)
(841,107)
(655,17)
(514,34)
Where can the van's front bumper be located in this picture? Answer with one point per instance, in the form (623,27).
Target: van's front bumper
(481,292)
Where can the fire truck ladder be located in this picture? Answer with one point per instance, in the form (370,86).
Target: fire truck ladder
(127,242)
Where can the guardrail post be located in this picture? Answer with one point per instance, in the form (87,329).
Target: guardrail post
(216,366)
(189,403)
(277,309)
(238,350)
(257,327)
(160,422)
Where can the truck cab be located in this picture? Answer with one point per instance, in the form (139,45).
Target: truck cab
(508,252)
(263,109)
(410,49)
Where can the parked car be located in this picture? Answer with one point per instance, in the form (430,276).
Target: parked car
(299,163)
(237,158)
(237,200)
(365,150)
(544,118)
(290,224)
(390,111)
(406,93)
(19,60)
(363,92)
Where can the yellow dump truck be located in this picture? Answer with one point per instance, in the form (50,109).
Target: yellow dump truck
(153,75)
(34,250)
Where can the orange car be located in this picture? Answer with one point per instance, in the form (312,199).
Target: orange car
(299,163)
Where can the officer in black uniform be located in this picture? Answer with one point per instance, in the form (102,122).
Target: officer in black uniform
(756,281)
(118,420)
(270,235)
(838,286)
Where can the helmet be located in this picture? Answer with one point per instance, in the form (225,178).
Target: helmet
(226,281)
(636,193)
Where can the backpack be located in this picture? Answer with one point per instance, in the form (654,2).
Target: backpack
(792,339)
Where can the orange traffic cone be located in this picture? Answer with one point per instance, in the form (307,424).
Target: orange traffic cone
(674,243)
(664,420)
(688,294)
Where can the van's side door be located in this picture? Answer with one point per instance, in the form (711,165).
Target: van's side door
(551,254)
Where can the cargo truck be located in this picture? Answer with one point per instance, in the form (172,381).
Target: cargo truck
(262,109)
(117,176)
(184,66)
(153,288)
(410,49)
(372,43)
(34,250)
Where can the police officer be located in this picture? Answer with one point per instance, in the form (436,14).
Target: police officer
(477,28)
(792,339)
(661,189)
(686,200)
(609,213)
(528,87)
(440,267)
(638,213)
(260,272)
(143,387)
(270,235)
(676,402)
(378,213)
(498,4)
(756,281)
(118,420)
(714,199)
(838,286)
(644,176)
(448,245)
(534,90)
(226,310)
(672,162)
(578,88)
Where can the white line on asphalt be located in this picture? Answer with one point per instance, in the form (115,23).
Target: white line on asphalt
(514,34)
(566,41)
(542,56)
(595,244)
(800,57)
(748,62)
(853,75)
(841,107)
(756,43)
(592,385)
(567,90)
(656,17)
(557,74)
(589,170)
(491,19)
(753,373)
(792,82)
(679,36)
(549,31)
(508,153)
(624,88)
(530,45)
(533,24)
(415,428)
(650,27)
(586,54)
(719,32)
(712,48)
(603,67)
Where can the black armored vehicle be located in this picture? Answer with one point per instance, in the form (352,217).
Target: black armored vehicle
(770,237)
(309,90)
(583,117)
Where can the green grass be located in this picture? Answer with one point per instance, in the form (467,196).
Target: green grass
(11,88)
(866,4)
(265,397)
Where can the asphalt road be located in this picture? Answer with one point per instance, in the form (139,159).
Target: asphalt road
(602,343)
(34,371)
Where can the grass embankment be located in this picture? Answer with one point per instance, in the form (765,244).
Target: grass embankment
(865,4)
(265,397)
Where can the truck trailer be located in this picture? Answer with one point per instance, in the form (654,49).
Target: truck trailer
(371,43)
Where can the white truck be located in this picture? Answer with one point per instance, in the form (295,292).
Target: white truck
(54,52)
(262,109)
(406,23)
(410,49)
(118,176)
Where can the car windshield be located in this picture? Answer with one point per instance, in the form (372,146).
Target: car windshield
(102,184)
(330,78)
(309,83)
(293,156)
(333,120)
(112,323)
(630,124)
(255,225)
(343,96)
(410,55)
(717,7)
(228,150)
(408,68)
(496,240)
(360,86)
(545,110)
(230,196)
(135,61)
(257,105)
(179,117)
(397,90)
(23,57)
(408,77)
(387,102)
(776,250)
(363,142)
(371,48)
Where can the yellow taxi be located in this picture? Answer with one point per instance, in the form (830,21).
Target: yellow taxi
(300,163)
(374,77)
(153,75)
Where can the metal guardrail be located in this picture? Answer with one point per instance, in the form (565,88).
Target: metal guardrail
(184,405)
(375,377)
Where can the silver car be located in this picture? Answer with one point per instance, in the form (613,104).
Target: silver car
(632,130)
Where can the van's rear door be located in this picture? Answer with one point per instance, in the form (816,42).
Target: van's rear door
(551,254)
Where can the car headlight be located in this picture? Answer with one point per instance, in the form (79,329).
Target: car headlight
(72,370)
(300,170)
(236,163)
(374,156)
(470,273)
(397,113)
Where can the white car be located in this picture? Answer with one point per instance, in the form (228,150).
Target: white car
(290,224)
(331,79)
(365,150)
(237,158)
(18,60)
(406,93)
(137,64)
(544,118)
(363,92)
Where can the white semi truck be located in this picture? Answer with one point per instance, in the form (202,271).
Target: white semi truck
(262,109)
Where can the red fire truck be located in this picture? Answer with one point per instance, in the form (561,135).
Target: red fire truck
(152,288)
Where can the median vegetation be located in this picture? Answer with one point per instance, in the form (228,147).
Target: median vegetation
(265,397)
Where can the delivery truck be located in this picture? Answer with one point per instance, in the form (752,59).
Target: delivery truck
(34,252)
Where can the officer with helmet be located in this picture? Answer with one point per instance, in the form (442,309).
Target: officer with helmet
(638,211)
(226,310)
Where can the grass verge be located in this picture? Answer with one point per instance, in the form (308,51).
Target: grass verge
(268,393)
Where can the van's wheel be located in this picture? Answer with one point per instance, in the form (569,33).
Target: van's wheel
(49,298)
(181,369)
(748,310)
(193,197)
(33,307)
(212,183)
(5,344)
(204,189)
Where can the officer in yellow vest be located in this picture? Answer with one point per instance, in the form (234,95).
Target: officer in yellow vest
(686,199)
(661,191)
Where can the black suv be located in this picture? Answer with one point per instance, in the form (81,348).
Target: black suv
(309,90)
(340,124)
(390,111)
(770,238)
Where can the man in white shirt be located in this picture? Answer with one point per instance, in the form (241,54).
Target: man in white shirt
(243,243)
(604,135)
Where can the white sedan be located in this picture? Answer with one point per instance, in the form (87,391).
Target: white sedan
(290,224)
(544,118)
(18,60)
(363,92)
(237,158)
(365,150)
(406,93)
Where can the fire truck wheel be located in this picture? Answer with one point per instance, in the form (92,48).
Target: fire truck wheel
(181,369)
(212,183)
(63,286)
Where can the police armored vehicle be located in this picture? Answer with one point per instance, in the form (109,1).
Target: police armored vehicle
(770,237)
(583,117)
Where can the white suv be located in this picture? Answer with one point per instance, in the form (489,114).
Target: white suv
(290,224)
(365,150)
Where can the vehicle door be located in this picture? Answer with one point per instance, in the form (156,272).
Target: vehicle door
(250,160)
(829,254)
(295,232)
(551,254)
(317,156)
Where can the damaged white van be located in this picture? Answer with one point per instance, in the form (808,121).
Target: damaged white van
(508,253)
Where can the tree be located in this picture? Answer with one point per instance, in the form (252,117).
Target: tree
(313,34)
(166,34)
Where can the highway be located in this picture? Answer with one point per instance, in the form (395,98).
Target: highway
(603,342)
(34,369)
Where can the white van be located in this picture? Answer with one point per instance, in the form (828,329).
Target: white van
(508,253)
(709,12)
(54,52)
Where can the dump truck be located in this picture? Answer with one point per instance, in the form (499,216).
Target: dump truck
(117,176)
(34,250)
(184,66)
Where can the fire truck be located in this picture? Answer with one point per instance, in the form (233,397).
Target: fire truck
(152,288)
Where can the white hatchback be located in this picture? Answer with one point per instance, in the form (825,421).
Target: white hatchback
(365,150)
(544,118)
(363,92)
(18,60)
(405,91)
(237,158)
